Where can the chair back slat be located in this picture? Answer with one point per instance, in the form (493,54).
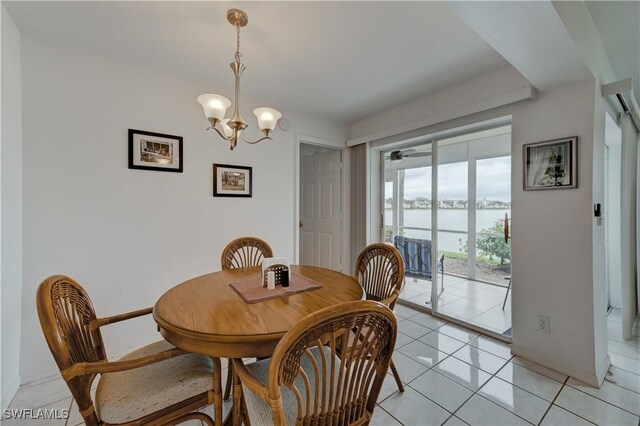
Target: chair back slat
(245,252)
(380,271)
(333,363)
(65,312)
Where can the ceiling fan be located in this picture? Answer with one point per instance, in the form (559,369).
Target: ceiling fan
(396,156)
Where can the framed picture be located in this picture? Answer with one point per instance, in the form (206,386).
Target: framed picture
(155,151)
(232,181)
(551,164)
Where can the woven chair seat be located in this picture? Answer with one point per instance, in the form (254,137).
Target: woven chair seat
(128,395)
(259,410)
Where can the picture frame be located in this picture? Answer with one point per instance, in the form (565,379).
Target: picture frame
(232,181)
(155,151)
(550,164)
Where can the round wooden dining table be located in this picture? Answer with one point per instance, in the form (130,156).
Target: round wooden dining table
(205,315)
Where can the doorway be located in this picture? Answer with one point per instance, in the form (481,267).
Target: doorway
(612,214)
(461,188)
(321,207)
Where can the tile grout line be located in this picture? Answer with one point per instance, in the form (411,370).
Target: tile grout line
(497,405)
(554,400)
(451,414)
(602,400)
(392,416)
(564,384)
(66,421)
(45,380)
(509,360)
(408,384)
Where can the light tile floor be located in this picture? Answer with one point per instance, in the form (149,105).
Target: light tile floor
(473,301)
(457,377)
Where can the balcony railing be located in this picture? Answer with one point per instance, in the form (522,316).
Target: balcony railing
(451,243)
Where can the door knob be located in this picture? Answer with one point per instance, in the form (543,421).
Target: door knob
(300,225)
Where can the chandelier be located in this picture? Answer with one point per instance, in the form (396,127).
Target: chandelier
(215,106)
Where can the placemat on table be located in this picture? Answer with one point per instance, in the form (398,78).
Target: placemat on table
(251,291)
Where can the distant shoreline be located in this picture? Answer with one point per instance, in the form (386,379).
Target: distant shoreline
(453,208)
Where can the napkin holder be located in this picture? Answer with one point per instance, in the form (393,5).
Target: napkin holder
(280,267)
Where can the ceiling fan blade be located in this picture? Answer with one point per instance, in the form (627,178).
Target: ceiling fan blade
(418,154)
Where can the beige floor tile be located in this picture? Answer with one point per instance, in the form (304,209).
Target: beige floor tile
(412,409)
(611,393)
(560,417)
(41,395)
(407,367)
(441,390)
(593,409)
(482,412)
(382,418)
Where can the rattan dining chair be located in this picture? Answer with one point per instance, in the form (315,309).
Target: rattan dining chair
(244,252)
(380,272)
(305,382)
(157,384)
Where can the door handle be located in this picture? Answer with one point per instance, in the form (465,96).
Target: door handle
(300,224)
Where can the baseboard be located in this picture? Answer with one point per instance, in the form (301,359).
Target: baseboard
(11,392)
(602,371)
(591,378)
(41,376)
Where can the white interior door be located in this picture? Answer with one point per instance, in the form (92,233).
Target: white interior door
(321,209)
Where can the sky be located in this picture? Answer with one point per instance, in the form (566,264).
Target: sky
(493,181)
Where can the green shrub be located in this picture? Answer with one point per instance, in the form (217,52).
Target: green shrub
(492,246)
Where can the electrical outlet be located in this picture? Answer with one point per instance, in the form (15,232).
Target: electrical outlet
(544,324)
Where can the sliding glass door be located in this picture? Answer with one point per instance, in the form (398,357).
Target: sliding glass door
(474,200)
(462,270)
(407,212)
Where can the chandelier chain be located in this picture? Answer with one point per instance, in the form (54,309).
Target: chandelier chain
(238,54)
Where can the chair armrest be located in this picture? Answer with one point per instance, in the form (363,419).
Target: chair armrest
(389,300)
(255,385)
(87,368)
(99,322)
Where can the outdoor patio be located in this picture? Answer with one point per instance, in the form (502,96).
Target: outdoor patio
(475,302)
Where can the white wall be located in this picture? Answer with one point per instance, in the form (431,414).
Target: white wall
(11,190)
(129,235)
(556,271)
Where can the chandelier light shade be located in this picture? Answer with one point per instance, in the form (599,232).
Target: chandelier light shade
(225,128)
(215,106)
(267,118)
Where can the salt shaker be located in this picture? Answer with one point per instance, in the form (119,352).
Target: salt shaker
(271,280)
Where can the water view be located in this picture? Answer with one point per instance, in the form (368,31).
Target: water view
(448,220)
